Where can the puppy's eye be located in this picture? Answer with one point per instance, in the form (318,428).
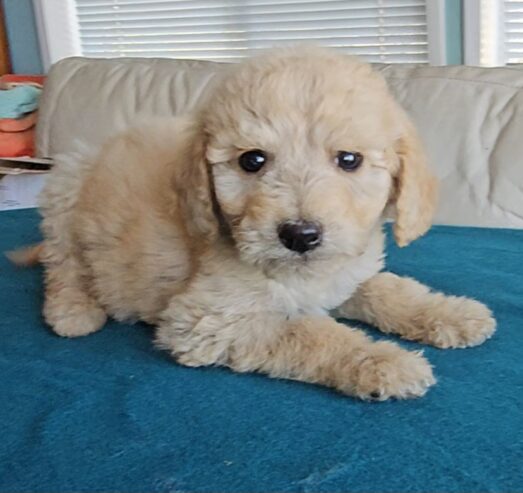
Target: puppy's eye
(349,161)
(252,161)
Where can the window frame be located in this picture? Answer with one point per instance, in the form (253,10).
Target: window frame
(59,41)
(58,30)
(474,54)
(437,32)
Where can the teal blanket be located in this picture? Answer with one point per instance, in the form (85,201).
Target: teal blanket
(110,413)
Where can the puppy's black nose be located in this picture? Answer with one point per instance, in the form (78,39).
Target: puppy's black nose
(300,236)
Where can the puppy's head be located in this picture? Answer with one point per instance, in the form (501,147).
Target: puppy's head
(303,151)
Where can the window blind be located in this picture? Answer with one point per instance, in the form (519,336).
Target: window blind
(384,31)
(513,27)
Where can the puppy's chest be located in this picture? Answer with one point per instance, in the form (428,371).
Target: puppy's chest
(324,291)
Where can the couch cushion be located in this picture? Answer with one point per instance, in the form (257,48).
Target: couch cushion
(469,118)
(88,100)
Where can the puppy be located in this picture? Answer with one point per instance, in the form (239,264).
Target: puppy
(239,229)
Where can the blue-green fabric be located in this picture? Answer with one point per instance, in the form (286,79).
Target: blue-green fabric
(18,101)
(110,413)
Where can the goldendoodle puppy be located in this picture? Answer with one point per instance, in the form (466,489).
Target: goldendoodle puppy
(239,229)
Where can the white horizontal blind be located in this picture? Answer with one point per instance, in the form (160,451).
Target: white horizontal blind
(385,31)
(513,27)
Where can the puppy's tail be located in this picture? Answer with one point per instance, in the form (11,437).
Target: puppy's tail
(26,257)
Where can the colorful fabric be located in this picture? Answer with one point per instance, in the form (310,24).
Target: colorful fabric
(18,124)
(14,144)
(18,101)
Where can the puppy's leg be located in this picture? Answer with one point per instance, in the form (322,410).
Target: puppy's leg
(317,350)
(404,306)
(68,308)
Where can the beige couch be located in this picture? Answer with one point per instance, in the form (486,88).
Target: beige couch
(471,120)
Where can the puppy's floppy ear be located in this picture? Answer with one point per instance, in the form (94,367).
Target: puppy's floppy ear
(193,186)
(416,188)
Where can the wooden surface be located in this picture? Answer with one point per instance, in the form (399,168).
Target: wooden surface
(5,62)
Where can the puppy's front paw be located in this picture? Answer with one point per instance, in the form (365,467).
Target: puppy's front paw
(74,320)
(390,371)
(458,323)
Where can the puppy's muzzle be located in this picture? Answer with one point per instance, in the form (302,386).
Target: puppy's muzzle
(301,236)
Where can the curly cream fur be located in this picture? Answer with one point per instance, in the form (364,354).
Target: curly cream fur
(164,226)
